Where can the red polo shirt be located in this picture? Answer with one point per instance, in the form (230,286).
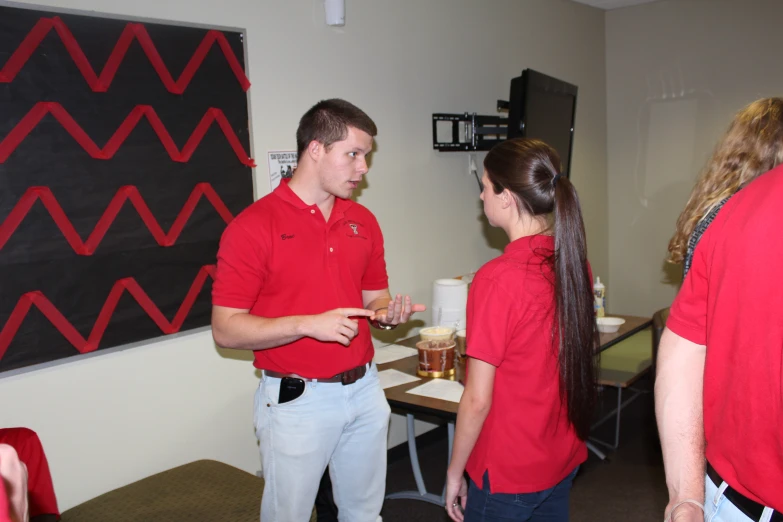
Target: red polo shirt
(732,302)
(527,442)
(280,257)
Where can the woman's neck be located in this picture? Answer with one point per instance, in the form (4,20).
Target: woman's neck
(527,226)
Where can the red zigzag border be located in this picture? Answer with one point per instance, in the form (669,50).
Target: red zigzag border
(22,129)
(132,30)
(128,192)
(90,344)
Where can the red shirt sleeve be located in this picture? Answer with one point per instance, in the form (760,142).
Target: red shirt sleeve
(375,277)
(491,316)
(241,268)
(688,315)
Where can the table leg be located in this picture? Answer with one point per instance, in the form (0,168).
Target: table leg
(451,440)
(448,459)
(600,454)
(616,413)
(422,493)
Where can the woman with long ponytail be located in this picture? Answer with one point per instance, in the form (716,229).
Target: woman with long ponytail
(525,413)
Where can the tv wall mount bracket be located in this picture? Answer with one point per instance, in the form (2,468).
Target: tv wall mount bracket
(468,132)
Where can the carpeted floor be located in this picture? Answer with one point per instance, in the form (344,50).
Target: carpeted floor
(628,487)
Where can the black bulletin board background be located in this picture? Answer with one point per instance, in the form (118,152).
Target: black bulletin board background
(37,256)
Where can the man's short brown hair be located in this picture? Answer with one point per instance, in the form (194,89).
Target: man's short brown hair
(327,122)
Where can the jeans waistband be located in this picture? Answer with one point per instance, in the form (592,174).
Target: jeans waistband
(750,508)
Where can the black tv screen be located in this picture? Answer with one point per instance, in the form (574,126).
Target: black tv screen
(543,108)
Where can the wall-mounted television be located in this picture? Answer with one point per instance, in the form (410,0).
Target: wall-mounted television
(543,108)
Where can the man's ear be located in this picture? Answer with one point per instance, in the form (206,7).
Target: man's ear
(315,149)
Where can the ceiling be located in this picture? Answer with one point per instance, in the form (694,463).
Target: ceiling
(613,4)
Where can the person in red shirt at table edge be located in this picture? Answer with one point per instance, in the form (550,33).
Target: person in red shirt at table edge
(530,390)
(719,385)
(298,272)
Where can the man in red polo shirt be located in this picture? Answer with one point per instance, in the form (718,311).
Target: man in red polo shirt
(719,391)
(298,273)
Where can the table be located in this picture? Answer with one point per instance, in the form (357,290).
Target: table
(447,410)
(633,324)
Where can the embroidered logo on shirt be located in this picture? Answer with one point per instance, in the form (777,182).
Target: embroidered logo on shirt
(356,232)
(286,236)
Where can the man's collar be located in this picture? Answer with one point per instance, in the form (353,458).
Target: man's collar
(284,192)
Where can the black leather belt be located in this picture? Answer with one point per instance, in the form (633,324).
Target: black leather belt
(750,508)
(347,377)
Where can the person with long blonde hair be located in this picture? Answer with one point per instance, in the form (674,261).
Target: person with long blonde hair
(752,145)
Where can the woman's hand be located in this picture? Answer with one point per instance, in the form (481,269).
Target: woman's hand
(456,496)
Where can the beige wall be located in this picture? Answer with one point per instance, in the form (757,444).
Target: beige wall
(677,71)
(114,418)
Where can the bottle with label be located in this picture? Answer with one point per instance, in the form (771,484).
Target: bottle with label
(599,293)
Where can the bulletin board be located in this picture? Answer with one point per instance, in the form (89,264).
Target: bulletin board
(124,153)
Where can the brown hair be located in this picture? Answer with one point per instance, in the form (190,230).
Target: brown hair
(752,145)
(529,169)
(327,122)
